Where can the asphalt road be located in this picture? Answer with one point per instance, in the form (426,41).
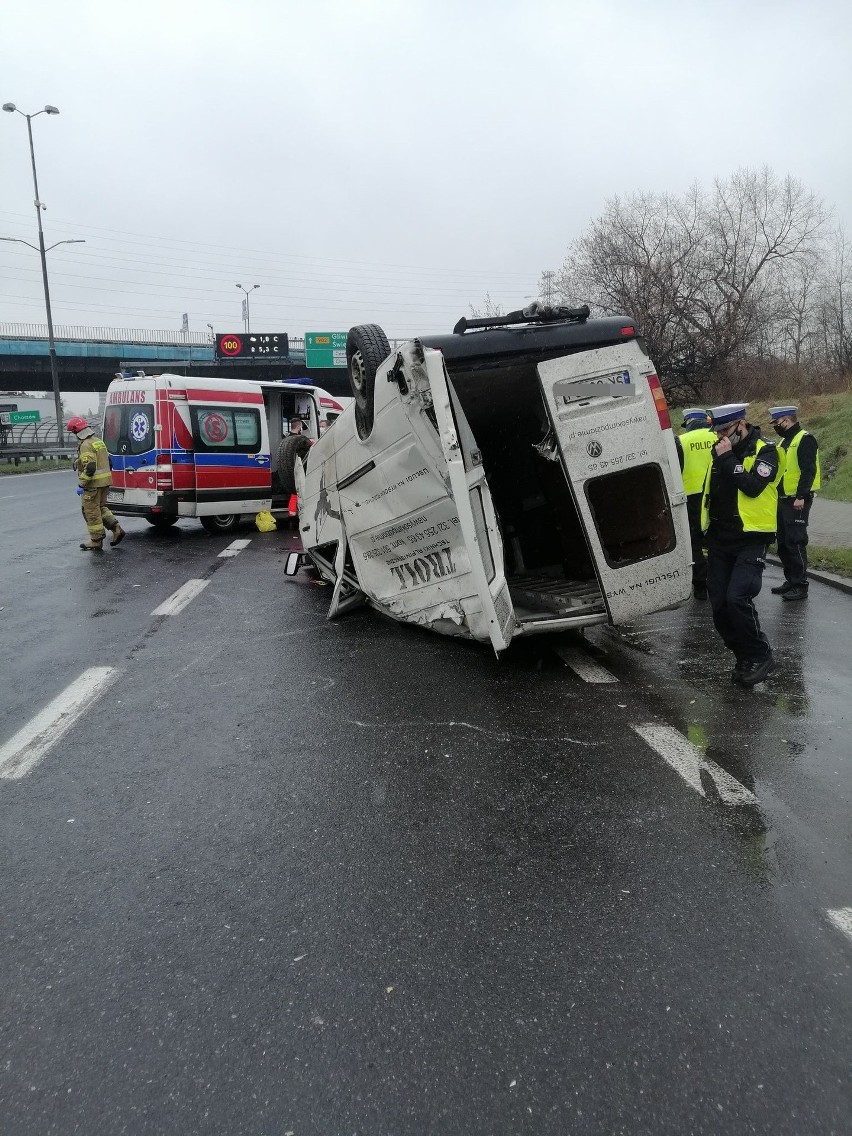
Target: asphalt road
(290,876)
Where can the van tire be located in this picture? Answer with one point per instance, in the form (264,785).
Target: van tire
(220,523)
(161,521)
(367,348)
(290,449)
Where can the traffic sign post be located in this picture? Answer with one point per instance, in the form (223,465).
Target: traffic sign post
(325,348)
(248,346)
(19,417)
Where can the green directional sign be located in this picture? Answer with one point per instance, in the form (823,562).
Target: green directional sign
(19,417)
(325,348)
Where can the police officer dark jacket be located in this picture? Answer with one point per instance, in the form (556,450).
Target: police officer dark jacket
(740,492)
(801,467)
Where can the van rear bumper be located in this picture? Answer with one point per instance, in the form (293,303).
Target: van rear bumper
(166,504)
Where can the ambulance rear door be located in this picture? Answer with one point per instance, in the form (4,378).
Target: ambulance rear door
(231,447)
(613,432)
(132,438)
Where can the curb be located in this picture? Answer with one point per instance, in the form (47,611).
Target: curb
(842,583)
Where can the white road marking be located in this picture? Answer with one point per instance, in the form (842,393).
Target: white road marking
(8,497)
(581,664)
(235,548)
(688,760)
(179,599)
(841,917)
(27,748)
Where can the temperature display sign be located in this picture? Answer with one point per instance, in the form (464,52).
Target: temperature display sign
(244,346)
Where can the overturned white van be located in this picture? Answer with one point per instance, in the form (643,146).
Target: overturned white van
(518,476)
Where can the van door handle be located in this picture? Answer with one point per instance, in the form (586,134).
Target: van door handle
(261,458)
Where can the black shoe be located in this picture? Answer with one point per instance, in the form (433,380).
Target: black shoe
(752,673)
(737,673)
(699,591)
(782,588)
(796,593)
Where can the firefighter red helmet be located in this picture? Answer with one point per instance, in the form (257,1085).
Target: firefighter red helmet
(76,424)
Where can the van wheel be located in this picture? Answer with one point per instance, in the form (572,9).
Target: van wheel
(222,523)
(290,449)
(161,522)
(366,348)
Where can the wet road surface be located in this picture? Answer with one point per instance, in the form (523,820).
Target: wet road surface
(283,875)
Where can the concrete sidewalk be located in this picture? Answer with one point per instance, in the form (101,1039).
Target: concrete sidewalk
(830,523)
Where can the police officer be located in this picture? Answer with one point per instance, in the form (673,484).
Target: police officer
(693,447)
(95,478)
(738,513)
(795,496)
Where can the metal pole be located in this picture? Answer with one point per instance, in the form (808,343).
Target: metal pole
(54,369)
(248,315)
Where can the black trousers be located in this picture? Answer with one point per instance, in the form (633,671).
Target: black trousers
(734,578)
(696,537)
(793,540)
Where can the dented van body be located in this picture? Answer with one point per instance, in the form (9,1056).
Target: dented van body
(502,481)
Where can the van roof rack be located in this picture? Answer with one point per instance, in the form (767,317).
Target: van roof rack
(536,312)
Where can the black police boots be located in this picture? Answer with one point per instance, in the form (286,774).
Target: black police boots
(795,593)
(782,589)
(751,673)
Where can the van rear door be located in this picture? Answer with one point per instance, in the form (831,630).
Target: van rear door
(231,441)
(613,432)
(477,518)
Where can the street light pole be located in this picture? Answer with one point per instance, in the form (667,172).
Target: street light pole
(248,291)
(54,368)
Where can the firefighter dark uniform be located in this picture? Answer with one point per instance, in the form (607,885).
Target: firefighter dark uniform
(738,513)
(94,477)
(795,497)
(693,447)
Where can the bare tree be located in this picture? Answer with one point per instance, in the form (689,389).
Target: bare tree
(489,308)
(701,274)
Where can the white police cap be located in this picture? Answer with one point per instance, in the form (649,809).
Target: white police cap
(776,412)
(730,412)
(694,413)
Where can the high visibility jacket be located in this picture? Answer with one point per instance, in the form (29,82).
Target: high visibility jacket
(93,470)
(792,472)
(696,446)
(758,514)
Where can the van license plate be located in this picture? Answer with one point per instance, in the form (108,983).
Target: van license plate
(115,495)
(617,385)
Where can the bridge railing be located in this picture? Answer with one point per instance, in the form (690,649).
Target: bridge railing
(105,334)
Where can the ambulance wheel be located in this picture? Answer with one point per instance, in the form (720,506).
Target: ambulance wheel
(223,523)
(290,449)
(367,348)
(161,522)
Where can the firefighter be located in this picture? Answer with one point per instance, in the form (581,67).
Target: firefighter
(738,515)
(795,497)
(95,478)
(693,448)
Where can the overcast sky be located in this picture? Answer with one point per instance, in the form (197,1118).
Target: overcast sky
(384,162)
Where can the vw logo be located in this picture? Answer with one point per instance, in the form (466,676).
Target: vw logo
(594,448)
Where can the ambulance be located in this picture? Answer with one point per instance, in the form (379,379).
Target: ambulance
(518,476)
(215,449)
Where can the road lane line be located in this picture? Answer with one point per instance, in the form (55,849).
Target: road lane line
(841,917)
(582,665)
(179,599)
(27,748)
(689,761)
(235,548)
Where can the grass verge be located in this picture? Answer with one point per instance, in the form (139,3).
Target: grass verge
(837,560)
(34,466)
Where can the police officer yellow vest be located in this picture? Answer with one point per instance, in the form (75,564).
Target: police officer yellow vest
(758,514)
(696,445)
(792,472)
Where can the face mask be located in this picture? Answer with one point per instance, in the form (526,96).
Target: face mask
(779,430)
